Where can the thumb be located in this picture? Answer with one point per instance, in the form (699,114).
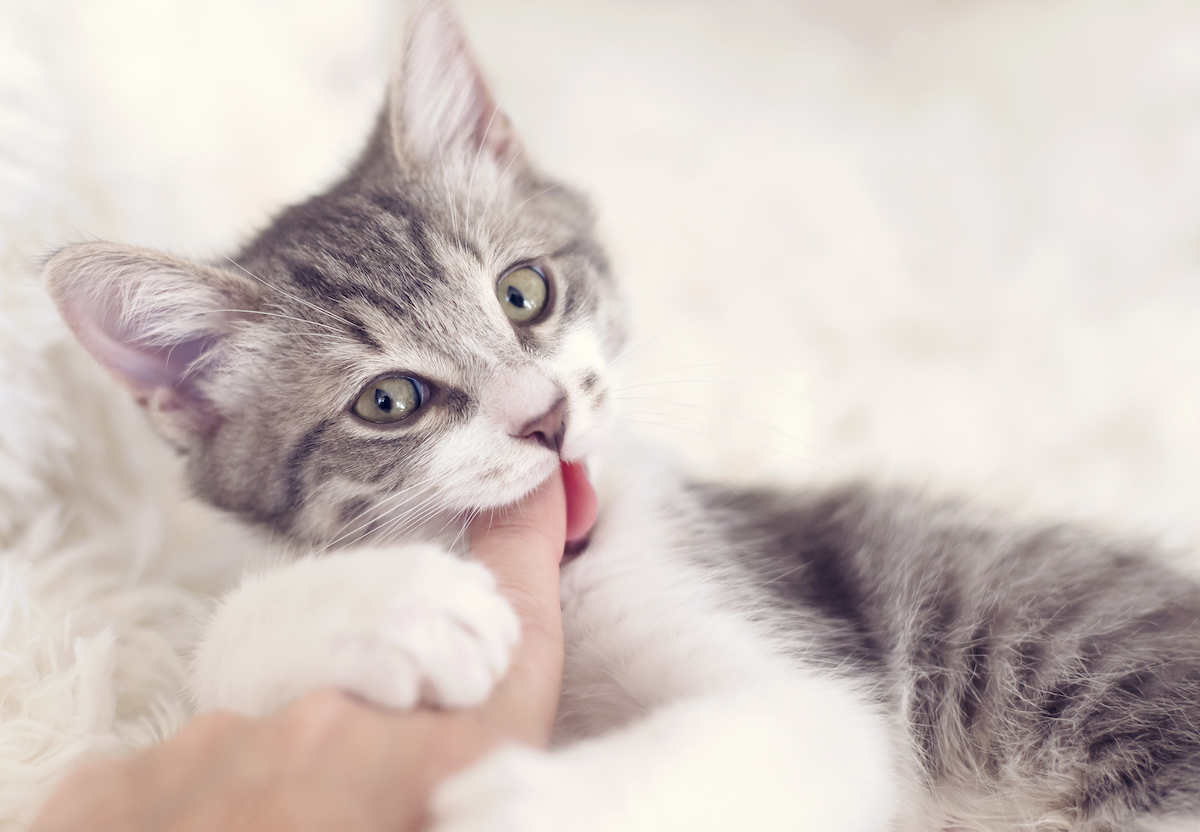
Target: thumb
(522,546)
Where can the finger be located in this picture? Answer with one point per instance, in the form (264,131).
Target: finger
(523,545)
(223,772)
(96,796)
(536,523)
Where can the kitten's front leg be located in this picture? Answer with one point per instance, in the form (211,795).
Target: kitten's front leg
(399,626)
(805,758)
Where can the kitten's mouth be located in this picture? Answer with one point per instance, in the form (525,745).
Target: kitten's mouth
(582,508)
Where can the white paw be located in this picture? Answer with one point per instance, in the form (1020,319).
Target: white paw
(514,789)
(397,626)
(444,639)
(747,760)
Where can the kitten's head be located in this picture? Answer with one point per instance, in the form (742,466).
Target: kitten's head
(427,338)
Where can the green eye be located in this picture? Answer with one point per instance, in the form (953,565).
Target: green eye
(522,294)
(389,400)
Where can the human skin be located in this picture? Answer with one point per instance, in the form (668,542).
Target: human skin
(330,761)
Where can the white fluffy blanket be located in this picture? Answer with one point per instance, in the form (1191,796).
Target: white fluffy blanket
(955,242)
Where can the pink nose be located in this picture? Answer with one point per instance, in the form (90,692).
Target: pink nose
(549,428)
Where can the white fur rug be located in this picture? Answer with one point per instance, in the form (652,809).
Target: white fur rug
(950,242)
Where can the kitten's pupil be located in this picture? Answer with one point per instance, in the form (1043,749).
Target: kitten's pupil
(515,297)
(383,401)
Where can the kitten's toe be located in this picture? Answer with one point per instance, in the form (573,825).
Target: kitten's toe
(396,626)
(513,789)
(449,648)
(376,670)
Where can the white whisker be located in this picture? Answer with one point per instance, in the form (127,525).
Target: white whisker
(724,381)
(739,416)
(790,368)
(331,329)
(716,433)
(446,182)
(470,518)
(628,351)
(523,201)
(404,524)
(289,294)
(380,512)
(474,165)
(487,206)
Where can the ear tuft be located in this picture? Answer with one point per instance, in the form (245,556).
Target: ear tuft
(439,105)
(154,322)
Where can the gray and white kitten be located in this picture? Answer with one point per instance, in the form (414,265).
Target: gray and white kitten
(430,338)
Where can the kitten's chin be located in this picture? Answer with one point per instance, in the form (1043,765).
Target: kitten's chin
(528,465)
(538,475)
(582,505)
(486,492)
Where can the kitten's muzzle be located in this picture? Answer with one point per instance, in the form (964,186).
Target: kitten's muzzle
(550,428)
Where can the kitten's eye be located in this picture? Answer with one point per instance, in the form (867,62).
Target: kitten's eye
(390,399)
(522,294)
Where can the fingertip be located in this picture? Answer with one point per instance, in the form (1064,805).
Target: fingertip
(542,511)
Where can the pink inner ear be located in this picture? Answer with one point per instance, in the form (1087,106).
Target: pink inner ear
(159,377)
(447,106)
(151,321)
(141,366)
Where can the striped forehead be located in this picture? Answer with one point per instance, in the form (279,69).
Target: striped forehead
(394,278)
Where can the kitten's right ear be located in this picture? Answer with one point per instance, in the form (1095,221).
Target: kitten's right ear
(155,322)
(439,107)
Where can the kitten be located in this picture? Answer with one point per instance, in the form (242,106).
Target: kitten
(430,338)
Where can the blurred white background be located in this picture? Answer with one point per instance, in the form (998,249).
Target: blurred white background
(955,242)
(945,241)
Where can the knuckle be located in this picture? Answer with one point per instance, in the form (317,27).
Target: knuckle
(218,722)
(215,724)
(313,719)
(320,707)
(209,732)
(98,791)
(98,776)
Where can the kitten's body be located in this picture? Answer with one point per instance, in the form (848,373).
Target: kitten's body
(833,661)
(1035,677)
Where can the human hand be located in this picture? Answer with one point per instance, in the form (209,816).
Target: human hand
(332,762)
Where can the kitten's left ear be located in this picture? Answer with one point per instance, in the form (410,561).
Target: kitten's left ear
(439,107)
(156,323)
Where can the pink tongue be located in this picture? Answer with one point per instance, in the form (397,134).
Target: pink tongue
(581,502)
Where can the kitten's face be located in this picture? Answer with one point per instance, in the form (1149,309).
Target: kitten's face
(426,339)
(392,304)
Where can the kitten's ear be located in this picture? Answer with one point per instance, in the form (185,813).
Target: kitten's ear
(439,107)
(155,322)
